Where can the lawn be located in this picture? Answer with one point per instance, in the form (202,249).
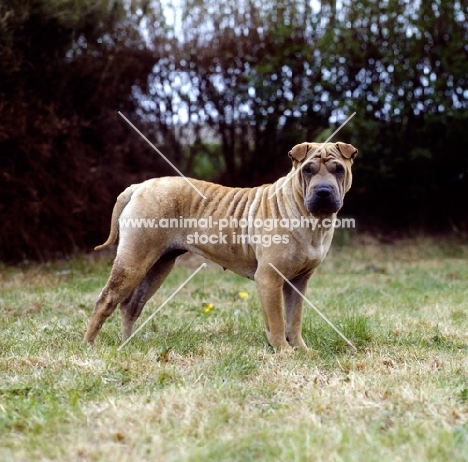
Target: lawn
(199,382)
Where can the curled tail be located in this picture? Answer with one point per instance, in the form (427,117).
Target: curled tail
(122,201)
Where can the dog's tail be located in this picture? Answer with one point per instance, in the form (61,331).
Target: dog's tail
(121,202)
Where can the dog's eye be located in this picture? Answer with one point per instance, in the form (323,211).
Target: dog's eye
(339,170)
(307,170)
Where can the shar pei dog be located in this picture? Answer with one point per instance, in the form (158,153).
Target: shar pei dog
(267,233)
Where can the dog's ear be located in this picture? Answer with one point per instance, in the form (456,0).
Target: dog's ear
(347,150)
(298,152)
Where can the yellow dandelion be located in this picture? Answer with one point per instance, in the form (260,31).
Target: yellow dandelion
(243,295)
(207,307)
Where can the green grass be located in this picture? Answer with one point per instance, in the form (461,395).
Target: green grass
(196,386)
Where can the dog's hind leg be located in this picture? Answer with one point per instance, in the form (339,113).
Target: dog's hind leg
(126,274)
(132,306)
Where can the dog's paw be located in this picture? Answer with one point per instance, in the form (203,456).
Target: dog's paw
(297,342)
(277,341)
(88,341)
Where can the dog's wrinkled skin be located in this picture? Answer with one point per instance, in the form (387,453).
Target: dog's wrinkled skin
(145,256)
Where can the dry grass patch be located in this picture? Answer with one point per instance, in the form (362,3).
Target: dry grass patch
(196,385)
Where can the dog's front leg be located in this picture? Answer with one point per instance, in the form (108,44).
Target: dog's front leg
(293,304)
(269,286)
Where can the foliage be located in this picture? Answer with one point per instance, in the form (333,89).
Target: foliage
(225,90)
(66,67)
(406,75)
(265,75)
(245,75)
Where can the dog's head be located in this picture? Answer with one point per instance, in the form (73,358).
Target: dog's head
(325,174)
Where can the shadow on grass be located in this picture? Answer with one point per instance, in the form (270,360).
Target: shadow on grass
(364,331)
(323,339)
(234,338)
(426,339)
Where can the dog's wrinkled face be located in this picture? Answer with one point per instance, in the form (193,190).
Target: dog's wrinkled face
(325,174)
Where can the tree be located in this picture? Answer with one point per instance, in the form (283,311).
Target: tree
(66,68)
(225,90)
(250,73)
(265,75)
(405,71)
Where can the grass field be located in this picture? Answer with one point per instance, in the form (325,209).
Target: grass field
(198,384)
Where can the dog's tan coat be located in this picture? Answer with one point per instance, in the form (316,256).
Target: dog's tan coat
(145,256)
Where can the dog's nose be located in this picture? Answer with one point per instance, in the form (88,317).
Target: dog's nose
(323,192)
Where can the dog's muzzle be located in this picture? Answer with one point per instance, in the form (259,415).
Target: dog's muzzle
(324,200)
